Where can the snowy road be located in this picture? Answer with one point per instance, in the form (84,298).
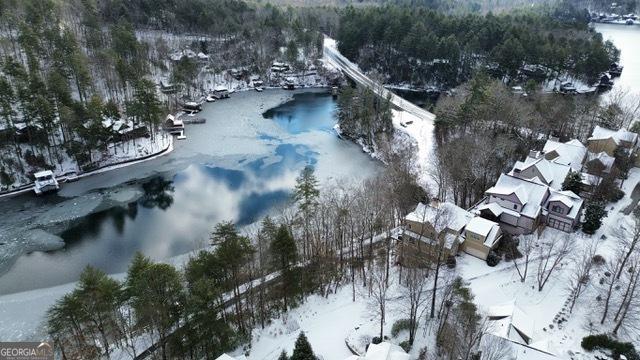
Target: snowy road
(332,54)
(411,122)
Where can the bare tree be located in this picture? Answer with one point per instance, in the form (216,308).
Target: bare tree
(379,292)
(610,282)
(551,255)
(414,298)
(583,263)
(525,246)
(628,240)
(440,223)
(493,347)
(627,315)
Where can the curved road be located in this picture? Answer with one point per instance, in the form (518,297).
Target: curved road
(332,54)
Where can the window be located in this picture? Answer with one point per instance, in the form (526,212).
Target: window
(557,209)
(515,207)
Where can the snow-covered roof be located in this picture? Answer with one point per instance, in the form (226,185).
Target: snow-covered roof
(570,153)
(604,158)
(225,357)
(588,179)
(510,322)
(601,133)
(440,215)
(517,190)
(552,173)
(43,173)
(497,210)
(568,198)
(513,350)
(486,228)
(203,56)
(220,88)
(530,194)
(385,351)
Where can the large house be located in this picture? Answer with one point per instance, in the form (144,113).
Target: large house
(516,203)
(607,140)
(431,228)
(521,205)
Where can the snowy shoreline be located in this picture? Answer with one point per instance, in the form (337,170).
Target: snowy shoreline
(168,148)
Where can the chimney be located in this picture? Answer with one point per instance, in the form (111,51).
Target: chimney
(534,154)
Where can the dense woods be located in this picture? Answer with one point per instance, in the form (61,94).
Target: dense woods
(420,46)
(483,129)
(364,117)
(80,79)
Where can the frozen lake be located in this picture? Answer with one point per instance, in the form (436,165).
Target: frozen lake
(239,166)
(626,38)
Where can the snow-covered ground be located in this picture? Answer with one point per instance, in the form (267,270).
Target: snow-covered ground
(115,156)
(328,322)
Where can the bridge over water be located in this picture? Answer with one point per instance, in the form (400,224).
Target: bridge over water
(332,54)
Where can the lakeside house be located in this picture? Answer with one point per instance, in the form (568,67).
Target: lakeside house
(429,229)
(446,229)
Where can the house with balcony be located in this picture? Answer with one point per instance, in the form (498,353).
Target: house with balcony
(515,203)
(431,229)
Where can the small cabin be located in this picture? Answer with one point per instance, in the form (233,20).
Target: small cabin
(173,125)
(220,92)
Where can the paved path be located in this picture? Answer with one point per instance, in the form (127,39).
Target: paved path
(332,54)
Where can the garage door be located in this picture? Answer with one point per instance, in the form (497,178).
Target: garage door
(560,225)
(475,252)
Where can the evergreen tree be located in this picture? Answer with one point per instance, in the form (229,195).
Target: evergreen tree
(302,350)
(157,298)
(284,254)
(283,356)
(593,217)
(573,182)
(306,195)
(145,107)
